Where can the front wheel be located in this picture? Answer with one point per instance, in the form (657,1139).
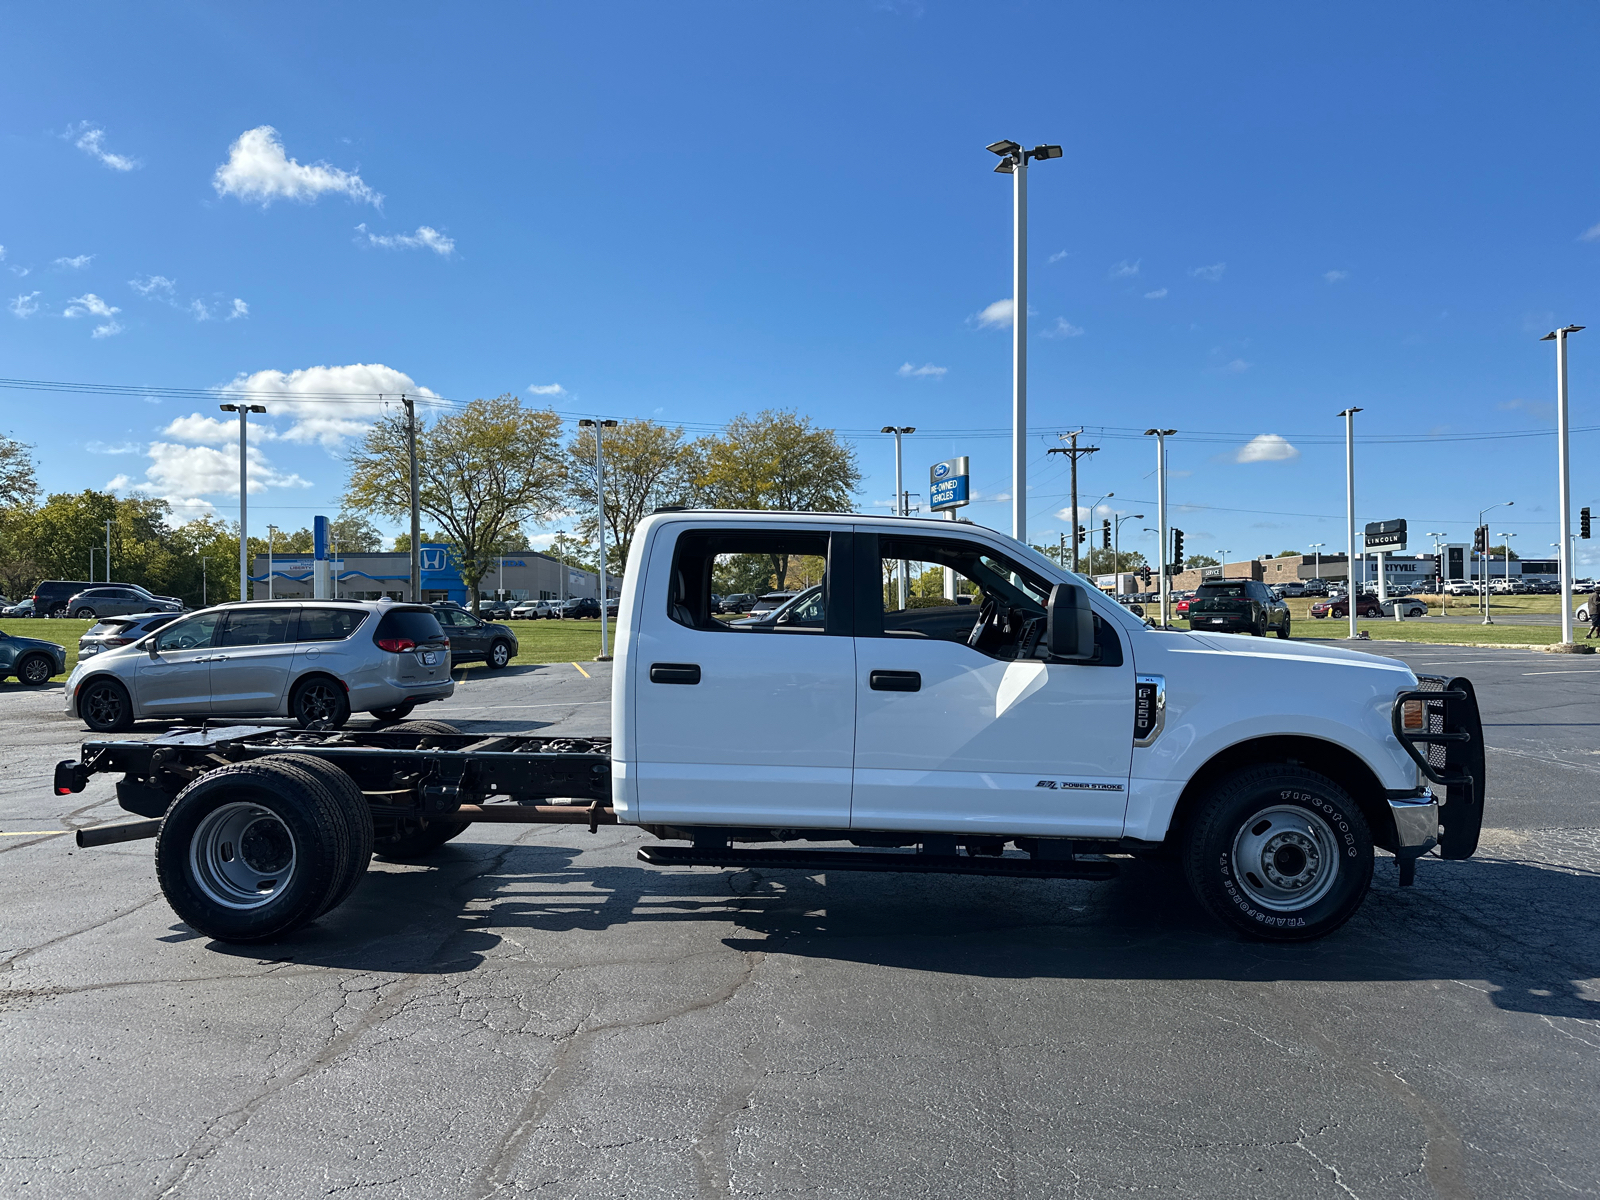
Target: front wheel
(35,670)
(499,656)
(1279,853)
(105,706)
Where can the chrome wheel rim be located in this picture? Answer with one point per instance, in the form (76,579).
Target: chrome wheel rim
(36,670)
(1285,858)
(502,655)
(242,855)
(104,704)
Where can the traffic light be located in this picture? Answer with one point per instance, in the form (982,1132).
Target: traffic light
(1105,531)
(1177,547)
(1480,540)
(1583,522)
(1079,535)
(1144,572)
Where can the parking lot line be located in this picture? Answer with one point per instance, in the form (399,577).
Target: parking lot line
(37,833)
(582,672)
(1569,671)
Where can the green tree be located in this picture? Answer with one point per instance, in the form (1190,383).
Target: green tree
(354,534)
(1288,554)
(482,472)
(776,460)
(1195,561)
(1500,552)
(646,465)
(19,485)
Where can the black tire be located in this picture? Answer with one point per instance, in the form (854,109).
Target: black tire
(398,713)
(105,706)
(353,808)
(60,610)
(414,839)
(1260,629)
(85,614)
(35,670)
(252,851)
(499,657)
(1279,853)
(320,698)
(1372,612)
(1283,630)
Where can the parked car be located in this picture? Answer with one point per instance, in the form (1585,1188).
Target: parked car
(112,632)
(1463,587)
(53,597)
(97,603)
(739,602)
(1315,587)
(471,638)
(770,602)
(25,609)
(534,610)
(494,610)
(1581,614)
(1180,607)
(1339,606)
(1290,588)
(32,660)
(1238,606)
(803,610)
(316,661)
(580,606)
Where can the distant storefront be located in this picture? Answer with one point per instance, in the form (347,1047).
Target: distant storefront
(525,575)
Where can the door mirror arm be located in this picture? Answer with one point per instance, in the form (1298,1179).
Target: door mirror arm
(1069,624)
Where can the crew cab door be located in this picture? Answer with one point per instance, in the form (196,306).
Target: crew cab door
(250,659)
(960,730)
(742,724)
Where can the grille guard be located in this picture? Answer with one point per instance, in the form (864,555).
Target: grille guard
(1449,751)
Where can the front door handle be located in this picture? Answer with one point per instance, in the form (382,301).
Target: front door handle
(895,681)
(674,672)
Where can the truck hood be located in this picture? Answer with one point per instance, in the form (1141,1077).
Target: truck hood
(1273,650)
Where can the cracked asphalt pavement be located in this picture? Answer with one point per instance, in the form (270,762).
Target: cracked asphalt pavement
(538,1012)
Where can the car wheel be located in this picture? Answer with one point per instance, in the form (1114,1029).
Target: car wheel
(84,614)
(59,610)
(35,670)
(499,655)
(1372,612)
(1283,632)
(252,851)
(1261,629)
(320,699)
(105,706)
(1280,853)
(398,713)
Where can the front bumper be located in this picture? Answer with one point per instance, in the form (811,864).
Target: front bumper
(1447,746)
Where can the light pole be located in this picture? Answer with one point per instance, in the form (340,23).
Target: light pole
(1161,436)
(1088,530)
(272,534)
(1349,416)
(1563,475)
(1014,162)
(1116,544)
(1316,559)
(1483,573)
(1438,537)
(244,410)
(1507,545)
(600,500)
(899,502)
(1222,567)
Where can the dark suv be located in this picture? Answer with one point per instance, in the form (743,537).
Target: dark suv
(114,601)
(52,597)
(471,638)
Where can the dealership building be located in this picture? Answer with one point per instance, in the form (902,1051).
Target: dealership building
(524,575)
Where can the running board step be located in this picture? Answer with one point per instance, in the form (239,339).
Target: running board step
(868,860)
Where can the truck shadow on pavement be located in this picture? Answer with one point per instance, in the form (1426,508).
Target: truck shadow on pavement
(1524,933)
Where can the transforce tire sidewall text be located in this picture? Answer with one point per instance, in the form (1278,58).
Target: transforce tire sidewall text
(1218,824)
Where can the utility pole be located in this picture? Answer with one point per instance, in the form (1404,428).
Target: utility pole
(600,499)
(244,410)
(1161,436)
(1564,475)
(1349,416)
(416,506)
(1074,452)
(900,506)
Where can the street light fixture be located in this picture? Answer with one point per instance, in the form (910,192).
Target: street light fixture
(1507,545)
(1014,162)
(1116,544)
(244,410)
(1563,474)
(1161,436)
(600,501)
(1483,574)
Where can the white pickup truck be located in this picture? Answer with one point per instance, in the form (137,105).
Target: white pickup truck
(1003,718)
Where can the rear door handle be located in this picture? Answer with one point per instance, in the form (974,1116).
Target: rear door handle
(895,681)
(674,672)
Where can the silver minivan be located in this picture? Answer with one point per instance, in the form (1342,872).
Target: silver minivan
(314,660)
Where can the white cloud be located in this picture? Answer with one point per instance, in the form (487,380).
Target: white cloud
(75,263)
(1059,255)
(239,310)
(925,371)
(198,309)
(89,304)
(212,431)
(1335,276)
(91,140)
(24,306)
(154,285)
(329,405)
(997,315)
(546,389)
(426,237)
(1591,234)
(1063,328)
(1158,294)
(1266,447)
(1237,367)
(1210,274)
(107,448)
(258,169)
(1124,269)
(203,471)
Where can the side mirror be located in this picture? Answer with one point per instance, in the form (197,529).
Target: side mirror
(150,646)
(1069,623)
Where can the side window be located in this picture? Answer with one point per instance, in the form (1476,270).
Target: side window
(194,634)
(258,627)
(329,624)
(735,561)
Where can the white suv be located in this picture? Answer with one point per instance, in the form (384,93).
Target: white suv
(313,660)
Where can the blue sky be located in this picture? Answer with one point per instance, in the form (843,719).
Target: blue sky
(682,212)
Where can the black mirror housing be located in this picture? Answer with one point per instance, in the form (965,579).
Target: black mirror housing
(1069,624)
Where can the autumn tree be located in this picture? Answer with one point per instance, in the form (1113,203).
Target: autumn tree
(646,466)
(483,471)
(19,485)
